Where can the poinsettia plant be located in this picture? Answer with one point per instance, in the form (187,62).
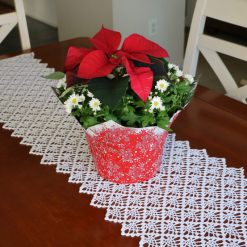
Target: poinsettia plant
(134,85)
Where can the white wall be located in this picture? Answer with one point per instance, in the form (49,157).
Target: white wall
(42,10)
(77,18)
(134,16)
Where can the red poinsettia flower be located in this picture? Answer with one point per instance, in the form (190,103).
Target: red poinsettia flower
(104,56)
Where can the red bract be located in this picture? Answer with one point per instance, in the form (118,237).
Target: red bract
(100,60)
(74,57)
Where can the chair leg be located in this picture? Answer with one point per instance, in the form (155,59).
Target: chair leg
(22,23)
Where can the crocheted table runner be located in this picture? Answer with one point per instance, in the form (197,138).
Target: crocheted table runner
(195,200)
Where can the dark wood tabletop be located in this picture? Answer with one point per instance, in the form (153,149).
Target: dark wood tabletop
(40,208)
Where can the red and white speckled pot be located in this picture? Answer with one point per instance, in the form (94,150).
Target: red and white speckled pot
(125,154)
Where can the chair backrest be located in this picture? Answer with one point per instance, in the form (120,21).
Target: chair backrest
(230,11)
(9,20)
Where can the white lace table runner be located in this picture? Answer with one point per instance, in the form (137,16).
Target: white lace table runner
(195,200)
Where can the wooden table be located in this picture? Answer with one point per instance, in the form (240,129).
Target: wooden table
(40,208)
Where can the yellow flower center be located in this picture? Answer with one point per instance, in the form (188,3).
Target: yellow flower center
(74,101)
(114,56)
(156,103)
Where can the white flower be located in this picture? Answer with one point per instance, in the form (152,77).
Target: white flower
(156,103)
(89,94)
(95,104)
(162,85)
(81,98)
(170,65)
(162,108)
(173,66)
(189,78)
(74,99)
(179,73)
(68,106)
(62,83)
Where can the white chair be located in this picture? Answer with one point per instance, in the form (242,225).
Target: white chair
(230,11)
(9,20)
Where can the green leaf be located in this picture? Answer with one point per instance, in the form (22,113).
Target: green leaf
(162,115)
(68,90)
(167,99)
(147,120)
(111,117)
(89,121)
(163,123)
(140,103)
(130,118)
(55,75)
(109,92)
(76,113)
(183,88)
(157,66)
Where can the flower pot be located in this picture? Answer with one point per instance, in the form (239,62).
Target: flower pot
(124,154)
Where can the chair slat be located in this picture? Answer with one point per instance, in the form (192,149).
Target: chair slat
(234,12)
(223,46)
(219,68)
(8,18)
(230,11)
(5,30)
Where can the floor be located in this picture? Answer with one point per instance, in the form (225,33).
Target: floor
(41,34)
